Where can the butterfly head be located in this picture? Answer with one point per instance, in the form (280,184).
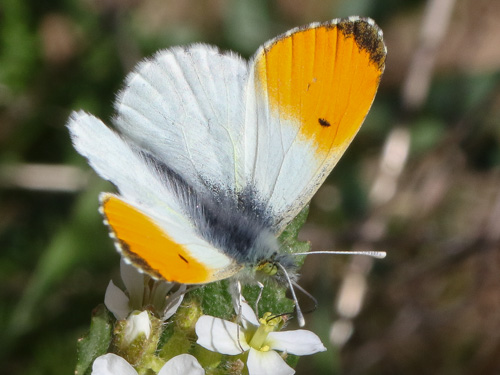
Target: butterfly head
(275,267)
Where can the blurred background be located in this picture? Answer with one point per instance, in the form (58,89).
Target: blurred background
(421,180)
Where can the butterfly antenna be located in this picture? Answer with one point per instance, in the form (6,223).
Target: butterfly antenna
(374,254)
(300,316)
(315,301)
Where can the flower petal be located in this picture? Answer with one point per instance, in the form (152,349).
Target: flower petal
(243,309)
(116,301)
(299,342)
(159,293)
(134,283)
(111,364)
(220,336)
(264,363)
(247,314)
(137,324)
(173,302)
(184,364)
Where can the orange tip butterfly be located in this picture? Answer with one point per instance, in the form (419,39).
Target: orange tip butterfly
(213,156)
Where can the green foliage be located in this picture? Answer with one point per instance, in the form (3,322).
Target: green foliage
(291,232)
(96,341)
(215,299)
(18,55)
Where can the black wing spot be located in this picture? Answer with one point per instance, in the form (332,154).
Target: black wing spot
(367,37)
(184,259)
(324,122)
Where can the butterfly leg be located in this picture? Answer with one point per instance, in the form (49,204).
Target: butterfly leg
(261,286)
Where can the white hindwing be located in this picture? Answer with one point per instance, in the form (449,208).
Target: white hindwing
(140,186)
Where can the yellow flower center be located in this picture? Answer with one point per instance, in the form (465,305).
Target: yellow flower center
(268,324)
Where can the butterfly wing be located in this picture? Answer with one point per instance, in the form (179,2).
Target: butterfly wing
(148,222)
(309,91)
(199,122)
(186,107)
(162,248)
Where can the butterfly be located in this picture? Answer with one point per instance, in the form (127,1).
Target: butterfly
(213,156)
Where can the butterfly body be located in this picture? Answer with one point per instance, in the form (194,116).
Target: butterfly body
(213,156)
(238,225)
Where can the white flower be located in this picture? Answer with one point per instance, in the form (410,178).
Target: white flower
(142,293)
(112,364)
(137,323)
(259,338)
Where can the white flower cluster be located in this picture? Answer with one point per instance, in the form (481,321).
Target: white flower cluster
(258,337)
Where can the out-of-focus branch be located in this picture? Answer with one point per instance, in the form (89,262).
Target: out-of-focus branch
(434,26)
(44,177)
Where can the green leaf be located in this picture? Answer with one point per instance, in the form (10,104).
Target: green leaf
(96,341)
(292,230)
(289,237)
(273,298)
(68,246)
(215,299)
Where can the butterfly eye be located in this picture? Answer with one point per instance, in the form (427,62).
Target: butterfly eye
(269,268)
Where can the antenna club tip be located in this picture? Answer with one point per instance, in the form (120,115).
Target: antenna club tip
(301,321)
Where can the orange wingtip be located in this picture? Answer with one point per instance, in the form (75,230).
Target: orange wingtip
(324,76)
(148,247)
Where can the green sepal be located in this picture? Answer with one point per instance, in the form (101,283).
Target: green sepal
(292,360)
(179,336)
(211,361)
